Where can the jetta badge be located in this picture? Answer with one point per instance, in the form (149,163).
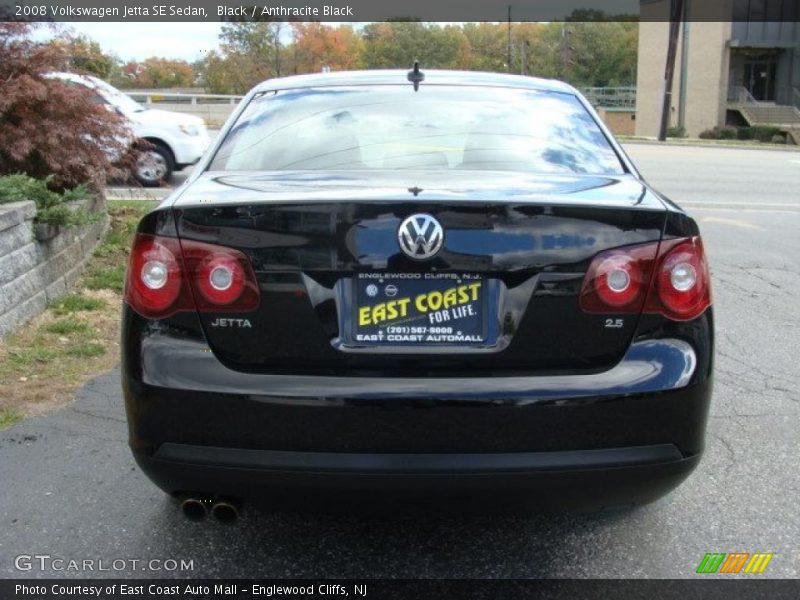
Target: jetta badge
(420,236)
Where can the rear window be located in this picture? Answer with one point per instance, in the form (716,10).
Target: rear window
(438,127)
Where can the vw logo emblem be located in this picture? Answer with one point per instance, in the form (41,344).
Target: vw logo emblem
(420,236)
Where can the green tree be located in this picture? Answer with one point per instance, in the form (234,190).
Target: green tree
(397,44)
(260,42)
(249,53)
(223,74)
(86,56)
(585,54)
(488,46)
(602,54)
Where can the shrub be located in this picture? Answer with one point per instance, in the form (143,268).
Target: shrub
(765,133)
(52,207)
(744,133)
(48,127)
(676,132)
(719,133)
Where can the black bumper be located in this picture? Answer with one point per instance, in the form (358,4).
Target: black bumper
(571,480)
(625,435)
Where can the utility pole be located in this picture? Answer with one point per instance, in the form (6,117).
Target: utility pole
(675,18)
(509,38)
(684,66)
(524,67)
(565,50)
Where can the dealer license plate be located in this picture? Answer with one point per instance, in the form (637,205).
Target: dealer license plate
(420,309)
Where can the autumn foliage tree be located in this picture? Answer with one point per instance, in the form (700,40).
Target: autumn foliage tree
(49,128)
(85,55)
(157,72)
(317,46)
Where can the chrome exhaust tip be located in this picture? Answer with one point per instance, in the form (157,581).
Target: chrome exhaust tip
(225,510)
(194,509)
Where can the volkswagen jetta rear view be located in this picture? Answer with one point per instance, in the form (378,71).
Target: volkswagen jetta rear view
(449,283)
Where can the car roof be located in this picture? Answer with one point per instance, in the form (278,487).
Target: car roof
(86,80)
(398,76)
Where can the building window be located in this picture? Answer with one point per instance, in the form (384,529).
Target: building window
(766,10)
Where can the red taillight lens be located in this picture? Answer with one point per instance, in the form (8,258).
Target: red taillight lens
(154,281)
(619,280)
(163,272)
(222,278)
(682,284)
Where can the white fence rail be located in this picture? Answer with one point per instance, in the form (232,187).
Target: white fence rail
(183,98)
(620,97)
(213,108)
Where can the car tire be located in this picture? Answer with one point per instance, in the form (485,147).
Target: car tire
(153,164)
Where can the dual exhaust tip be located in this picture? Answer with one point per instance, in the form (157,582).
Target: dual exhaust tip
(197,508)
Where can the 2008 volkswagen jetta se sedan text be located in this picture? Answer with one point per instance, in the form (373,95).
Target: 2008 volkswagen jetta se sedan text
(431,281)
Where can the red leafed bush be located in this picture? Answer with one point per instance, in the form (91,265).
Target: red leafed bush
(48,127)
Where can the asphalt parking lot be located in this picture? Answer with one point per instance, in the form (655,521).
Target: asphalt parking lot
(69,487)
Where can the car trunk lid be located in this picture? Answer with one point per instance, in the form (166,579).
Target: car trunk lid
(317,241)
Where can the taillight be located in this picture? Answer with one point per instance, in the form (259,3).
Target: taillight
(670,279)
(166,275)
(682,286)
(617,280)
(221,278)
(154,285)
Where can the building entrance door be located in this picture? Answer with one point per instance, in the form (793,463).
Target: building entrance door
(759,79)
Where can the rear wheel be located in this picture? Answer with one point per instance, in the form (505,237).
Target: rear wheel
(154,164)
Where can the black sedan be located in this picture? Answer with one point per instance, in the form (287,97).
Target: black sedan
(442,282)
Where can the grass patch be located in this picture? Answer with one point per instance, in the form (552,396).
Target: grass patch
(115,242)
(67,326)
(38,353)
(107,270)
(86,350)
(107,278)
(76,302)
(8,417)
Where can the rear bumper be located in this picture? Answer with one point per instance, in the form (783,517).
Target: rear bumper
(573,480)
(625,435)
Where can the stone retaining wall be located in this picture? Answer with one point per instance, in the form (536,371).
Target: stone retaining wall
(34,273)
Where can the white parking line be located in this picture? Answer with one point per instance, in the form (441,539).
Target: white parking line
(732,222)
(785,211)
(755,204)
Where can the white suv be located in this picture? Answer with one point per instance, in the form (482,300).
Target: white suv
(174,140)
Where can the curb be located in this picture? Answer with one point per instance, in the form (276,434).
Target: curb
(711,144)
